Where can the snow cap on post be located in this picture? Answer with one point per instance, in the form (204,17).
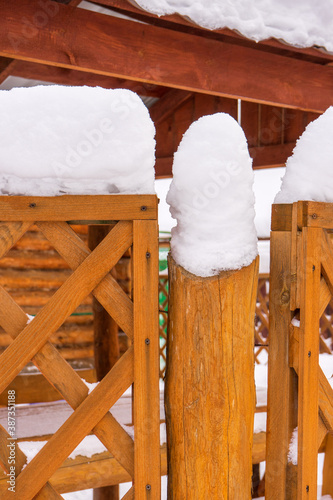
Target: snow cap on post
(308,174)
(212,199)
(75,140)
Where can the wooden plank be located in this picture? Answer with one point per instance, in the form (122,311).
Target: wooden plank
(175,21)
(281,217)
(6,445)
(327,488)
(129,495)
(6,68)
(76,427)
(224,105)
(117,47)
(271,125)
(308,386)
(318,214)
(282,381)
(34,388)
(108,292)
(271,156)
(146,361)
(86,472)
(78,207)
(203,105)
(64,302)
(10,233)
(65,76)
(325,398)
(167,104)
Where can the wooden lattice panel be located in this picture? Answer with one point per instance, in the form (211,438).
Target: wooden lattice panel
(299,394)
(137,317)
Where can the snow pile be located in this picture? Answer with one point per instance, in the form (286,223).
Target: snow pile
(212,199)
(77,140)
(309,170)
(302,23)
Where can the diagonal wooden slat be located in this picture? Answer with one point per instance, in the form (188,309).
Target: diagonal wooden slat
(76,427)
(325,401)
(129,495)
(47,492)
(60,374)
(64,302)
(10,233)
(73,250)
(325,390)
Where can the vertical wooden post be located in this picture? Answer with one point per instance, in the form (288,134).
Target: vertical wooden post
(147,473)
(209,393)
(106,346)
(309,365)
(328,467)
(282,380)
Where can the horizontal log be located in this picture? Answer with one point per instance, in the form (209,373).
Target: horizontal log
(178,22)
(79,207)
(110,46)
(31,300)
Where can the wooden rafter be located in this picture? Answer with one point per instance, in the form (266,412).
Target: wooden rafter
(167,104)
(96,43)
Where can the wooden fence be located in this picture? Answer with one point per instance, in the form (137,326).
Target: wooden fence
(299,394)
(136,228)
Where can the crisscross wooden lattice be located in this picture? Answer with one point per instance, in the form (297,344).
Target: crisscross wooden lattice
(299,394)
(138,318)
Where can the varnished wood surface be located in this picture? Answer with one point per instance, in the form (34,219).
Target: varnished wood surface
(209,406)
(111,46)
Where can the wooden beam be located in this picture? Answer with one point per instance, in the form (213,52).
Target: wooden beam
(177,22)
(167,104)
(65,76)
(87,41)
(271,156)
(6,68)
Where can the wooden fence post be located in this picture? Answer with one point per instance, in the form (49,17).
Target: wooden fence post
(210,393)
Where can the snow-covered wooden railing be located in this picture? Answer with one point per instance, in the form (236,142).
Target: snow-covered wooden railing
(136,228)
(299,394)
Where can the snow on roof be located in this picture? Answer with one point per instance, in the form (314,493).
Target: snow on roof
(301,23)
(75,140)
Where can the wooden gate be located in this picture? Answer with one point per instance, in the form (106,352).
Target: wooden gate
(299,394)
(135,219)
